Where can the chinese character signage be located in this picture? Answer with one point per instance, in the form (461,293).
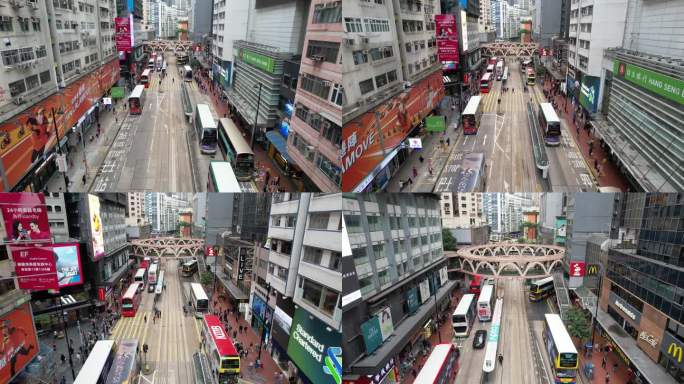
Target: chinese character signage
(34,267)
(589,92)
(262,62)
(25,217)
(665,86)
(576,269)
(447,38)
(123,32)
(315,348)
(18,342)
(96,235)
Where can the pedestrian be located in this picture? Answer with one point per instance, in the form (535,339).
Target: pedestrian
(78,356)
(415,172)
(63,358)
(145,318)
(235,334)
(410,181)
(63,381)
(421,159)
(430,171)
(402,183)
(603,362)
(448,141)
(607,377)
(501,358)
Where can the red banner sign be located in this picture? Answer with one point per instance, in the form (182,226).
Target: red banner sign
(122,32)
(18,342)
(447,38)
(25,217)
(362,149)
(209,251)
(28,136)
(576,269)
(36,262)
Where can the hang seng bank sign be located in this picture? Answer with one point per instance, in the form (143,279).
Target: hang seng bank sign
(315,348)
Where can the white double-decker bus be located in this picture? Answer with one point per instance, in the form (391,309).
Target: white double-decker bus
(464,315)
(152,277)
(199,300)
(485,303)
(96,367)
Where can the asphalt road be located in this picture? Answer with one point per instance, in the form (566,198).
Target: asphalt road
(505,140)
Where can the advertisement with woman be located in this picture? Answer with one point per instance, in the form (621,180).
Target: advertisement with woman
(18,342)
(25,217)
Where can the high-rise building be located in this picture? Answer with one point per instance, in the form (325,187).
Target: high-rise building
(135,210)
(550,207)
(643,117)
(546,21)
(230,21)
(504,212)
(484,21)
(641,305)
(161,209)
(314,142)
(462,210)
(394,269)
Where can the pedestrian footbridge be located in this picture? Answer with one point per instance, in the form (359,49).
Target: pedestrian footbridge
(509,49)
(513,260)
(167,247)
(168,45)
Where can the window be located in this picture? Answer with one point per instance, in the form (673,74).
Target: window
(26,54)
(385,78)
(353,223)
(332,132)
(58,208)
(382,52)
(325,13)
(337,95)
(329,168)
(319,296)
(325,49)
(41,52)
(319,220)
(335,261)
(10,57)
(291,220)
(360,255)
(366,86)
(376,25)
(23,23)
(32,82)
(313,255)
(6,24)
(44,77)
(316,86)
(17,88)
(360,57)
(352,24)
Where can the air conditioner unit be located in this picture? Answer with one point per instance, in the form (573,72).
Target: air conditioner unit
(19,100)
(317,58)
(349,42)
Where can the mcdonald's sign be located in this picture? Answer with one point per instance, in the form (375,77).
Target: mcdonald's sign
(592,269)
(673,349)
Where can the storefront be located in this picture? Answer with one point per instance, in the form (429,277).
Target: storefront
(280,335)
(624,314)
(314,347)
(261,318)
(672,356)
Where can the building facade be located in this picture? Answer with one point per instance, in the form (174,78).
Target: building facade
(462,210)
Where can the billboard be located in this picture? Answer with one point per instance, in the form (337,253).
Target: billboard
(67,259)
(589,92)
(386,324)
(435,123)
(124,362)
(18,342)
(25,217)
(96,235)
(362,149)
(35,267)
(424,290)
(372,336)
(262,62)
(665,86)
(560,229)
(412,300)
(123,32)
(447,38)
(27,138)
(315,348)
(576,269)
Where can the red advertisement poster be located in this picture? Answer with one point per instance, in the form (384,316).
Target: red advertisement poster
(25,217)
(122,31)
(18,342)
(576,269)
(209,251)
(362,148)
(37,262)
(447,38)
(28,136)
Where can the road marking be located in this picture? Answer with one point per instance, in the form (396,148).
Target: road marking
(484,140)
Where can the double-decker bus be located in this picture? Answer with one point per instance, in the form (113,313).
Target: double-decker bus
(136,100)
(141,277)
(549,123)
(160,284)
(440,367)
(486,82)
(160,63)
(493,60)
(205,127)
(542,288)
(189,268)
(490,68)
(485,303)
(529,74)
(504,77)
(470,177)
(145,78)
(150,64)
(96,367)
(475,285)
(499,69)
(199,300)
(187,73)
(181,58)
(235,149)
(222,178)
(152,277)
(223,356)
(131,300)
(464,315)
(561,350)
(471,115)
(126,363)
(524,65)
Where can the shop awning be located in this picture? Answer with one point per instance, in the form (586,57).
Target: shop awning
(279,143)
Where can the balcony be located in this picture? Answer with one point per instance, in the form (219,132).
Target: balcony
(323,276)
(280,259)
(323,239)
(284,233)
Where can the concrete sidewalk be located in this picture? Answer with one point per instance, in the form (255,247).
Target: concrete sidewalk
(435,153)
(94,153)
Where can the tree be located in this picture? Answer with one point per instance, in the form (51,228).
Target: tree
(206,278)
(448,240)
(578,324)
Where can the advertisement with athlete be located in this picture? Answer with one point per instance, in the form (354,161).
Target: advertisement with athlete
(18,342)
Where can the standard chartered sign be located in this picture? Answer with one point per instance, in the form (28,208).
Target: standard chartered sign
(315,348)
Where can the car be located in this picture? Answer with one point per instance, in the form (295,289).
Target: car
(480,339)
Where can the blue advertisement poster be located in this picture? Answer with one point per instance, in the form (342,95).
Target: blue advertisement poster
(589,92)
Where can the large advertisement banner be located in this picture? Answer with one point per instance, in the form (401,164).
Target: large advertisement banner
(123,32)
(30,136)
(363,149)
(315,348)
(68,264)
(18,342)
(447,38)
(665,86)
(96,234)
(589,92)
(35,267)
(25,217)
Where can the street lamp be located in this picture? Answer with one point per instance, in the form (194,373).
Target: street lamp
(256,118)
(59,147)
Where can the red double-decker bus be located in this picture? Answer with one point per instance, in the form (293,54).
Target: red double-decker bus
(223,356)
(440,367)
(475,285)
(130,300)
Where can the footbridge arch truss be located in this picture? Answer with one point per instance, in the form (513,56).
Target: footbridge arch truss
(509,49)
(168,45)
(167,246)
(511,260)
